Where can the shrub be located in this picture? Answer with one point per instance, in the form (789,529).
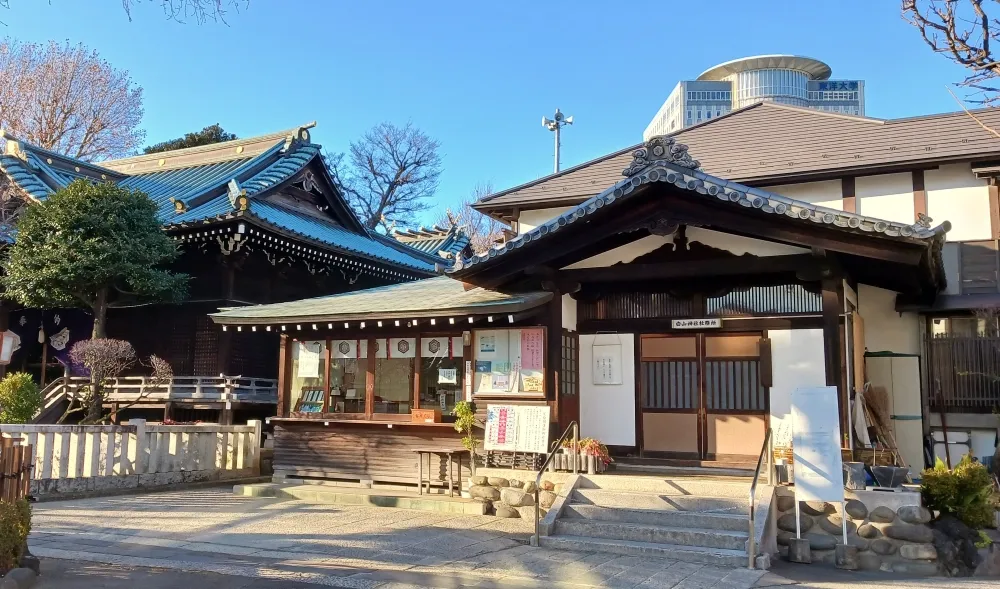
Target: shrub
(964,491)
(466,422)
(20,398)
(15,524)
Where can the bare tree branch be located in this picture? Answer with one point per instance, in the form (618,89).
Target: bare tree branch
(388,174)
(963,32)
(67,99)
(483,231)
(201,11)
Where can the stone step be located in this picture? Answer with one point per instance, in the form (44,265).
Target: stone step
(714,556)
(655,517)
(652,534)
(657,469)
(628,500)
(698,486)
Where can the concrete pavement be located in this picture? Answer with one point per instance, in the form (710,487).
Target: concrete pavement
(213,531)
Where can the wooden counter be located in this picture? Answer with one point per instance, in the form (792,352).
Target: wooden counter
(360,450)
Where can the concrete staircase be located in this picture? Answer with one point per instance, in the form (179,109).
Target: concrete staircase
(696,519)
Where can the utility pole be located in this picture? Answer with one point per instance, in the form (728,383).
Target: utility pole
(554,124)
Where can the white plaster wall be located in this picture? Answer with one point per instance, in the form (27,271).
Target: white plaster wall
(528,220)
(798,361)
(607,412)
(886,196)
(885,329)
(740,245)
(954,194)
(568,312)
(734,243)
(826,193)
(952,268)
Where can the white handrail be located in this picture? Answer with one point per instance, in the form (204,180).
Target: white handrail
(765,448)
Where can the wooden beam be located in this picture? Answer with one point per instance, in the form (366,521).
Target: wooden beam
(919,195)
(831,336)
(736,265)
(553,352)
(848,194)
(791,232)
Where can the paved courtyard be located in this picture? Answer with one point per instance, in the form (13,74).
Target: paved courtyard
(214,531)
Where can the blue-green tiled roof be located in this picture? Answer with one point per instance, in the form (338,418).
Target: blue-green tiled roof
(197,178)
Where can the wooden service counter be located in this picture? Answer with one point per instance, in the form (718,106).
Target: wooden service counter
(361,449)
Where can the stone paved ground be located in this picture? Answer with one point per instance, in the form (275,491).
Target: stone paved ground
(215,531)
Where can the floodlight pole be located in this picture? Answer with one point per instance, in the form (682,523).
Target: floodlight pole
(557,122)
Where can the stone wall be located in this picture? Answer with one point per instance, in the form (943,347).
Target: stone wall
(894,539)
(510,497)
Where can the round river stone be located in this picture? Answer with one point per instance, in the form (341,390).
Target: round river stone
(832,524)
(484,492)
(883,547)
(816,507)
(918,551)
(914,514)
(869,531)
(821,541)
(918,534)
(498,482)
(787,522)
(882,515)
(505,511)
(786,502)
(856,509)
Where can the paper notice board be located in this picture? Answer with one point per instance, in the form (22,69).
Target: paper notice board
(517,428)
(816,445)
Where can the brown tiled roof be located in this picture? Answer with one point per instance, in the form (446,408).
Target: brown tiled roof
(768,143)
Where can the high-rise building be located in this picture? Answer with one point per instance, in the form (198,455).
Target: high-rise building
(787,79)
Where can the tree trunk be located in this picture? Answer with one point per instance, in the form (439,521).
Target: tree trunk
(100,314)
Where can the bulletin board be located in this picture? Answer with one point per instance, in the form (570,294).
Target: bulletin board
(509,361)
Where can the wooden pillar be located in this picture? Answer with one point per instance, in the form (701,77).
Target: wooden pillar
(284,374)
(168,410)
(919,195)
(226,415)
(832,308)
(553,353)
(370,380)
(849,195)
(994,192)
(4,326)
(416,373)
(226,337)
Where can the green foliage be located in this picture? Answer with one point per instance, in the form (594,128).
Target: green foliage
(465,422)
(15,524)
(984,540)
(964,491)
(86,242)
(207,136)
(20,398)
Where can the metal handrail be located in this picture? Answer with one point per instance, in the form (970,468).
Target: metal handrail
(575,428)
(765,448)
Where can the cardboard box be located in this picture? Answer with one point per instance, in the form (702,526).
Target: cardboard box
(425,416)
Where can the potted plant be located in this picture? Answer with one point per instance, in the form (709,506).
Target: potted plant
(594,454)
(466,422)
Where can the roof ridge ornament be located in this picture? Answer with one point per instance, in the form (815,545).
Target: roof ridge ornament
(660,150)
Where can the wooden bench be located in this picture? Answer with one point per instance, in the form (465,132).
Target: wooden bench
(449,454)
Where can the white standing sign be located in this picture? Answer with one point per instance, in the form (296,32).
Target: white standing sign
(517,428)
(819,470)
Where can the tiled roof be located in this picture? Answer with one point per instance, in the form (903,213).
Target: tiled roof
(663,160)
(440,296)
(450,240)
(190,186)
(771,143)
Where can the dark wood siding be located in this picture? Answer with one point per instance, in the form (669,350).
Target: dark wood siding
(361,450)
(978,267)
(634,305)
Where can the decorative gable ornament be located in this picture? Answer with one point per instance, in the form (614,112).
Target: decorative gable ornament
(660,150)
(237,196)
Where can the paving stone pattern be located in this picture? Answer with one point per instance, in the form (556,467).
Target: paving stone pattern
(215,531)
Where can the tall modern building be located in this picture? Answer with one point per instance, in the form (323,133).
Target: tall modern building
(788,79)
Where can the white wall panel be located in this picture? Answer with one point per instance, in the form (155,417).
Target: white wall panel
(826,193)
(607,412)
(886,196)
(954,194)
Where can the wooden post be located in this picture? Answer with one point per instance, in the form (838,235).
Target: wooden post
(255,445)
(141,445)
(831,336)
(416,374)
(370,380)
(284,374)
(326,377)
(553,354)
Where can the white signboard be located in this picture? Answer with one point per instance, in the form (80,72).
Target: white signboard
(607,364)
(517,428)
(816,445)
(309,353)
(715,323)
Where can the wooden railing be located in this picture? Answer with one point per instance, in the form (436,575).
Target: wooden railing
(93,458)
(129,389)
(15,469)
(963,373)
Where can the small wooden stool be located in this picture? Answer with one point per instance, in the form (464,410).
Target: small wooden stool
(449,454)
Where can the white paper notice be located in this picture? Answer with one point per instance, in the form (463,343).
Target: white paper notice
(447,376)
(309,353)
(518,428)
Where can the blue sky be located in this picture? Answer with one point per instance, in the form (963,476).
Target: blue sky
(477,76)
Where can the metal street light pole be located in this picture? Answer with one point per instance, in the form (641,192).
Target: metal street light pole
(557,122)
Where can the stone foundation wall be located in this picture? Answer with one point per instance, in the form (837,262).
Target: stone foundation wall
(889,539)
(510,497)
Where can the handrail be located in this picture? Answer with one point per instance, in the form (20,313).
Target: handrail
(575,427)
(765,447)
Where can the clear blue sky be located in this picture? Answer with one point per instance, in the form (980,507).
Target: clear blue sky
(477,76)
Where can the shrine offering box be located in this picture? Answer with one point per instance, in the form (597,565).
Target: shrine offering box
(425,416)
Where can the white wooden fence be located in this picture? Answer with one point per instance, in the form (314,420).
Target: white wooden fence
(95,458)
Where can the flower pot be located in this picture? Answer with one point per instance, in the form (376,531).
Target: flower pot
(591,465)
